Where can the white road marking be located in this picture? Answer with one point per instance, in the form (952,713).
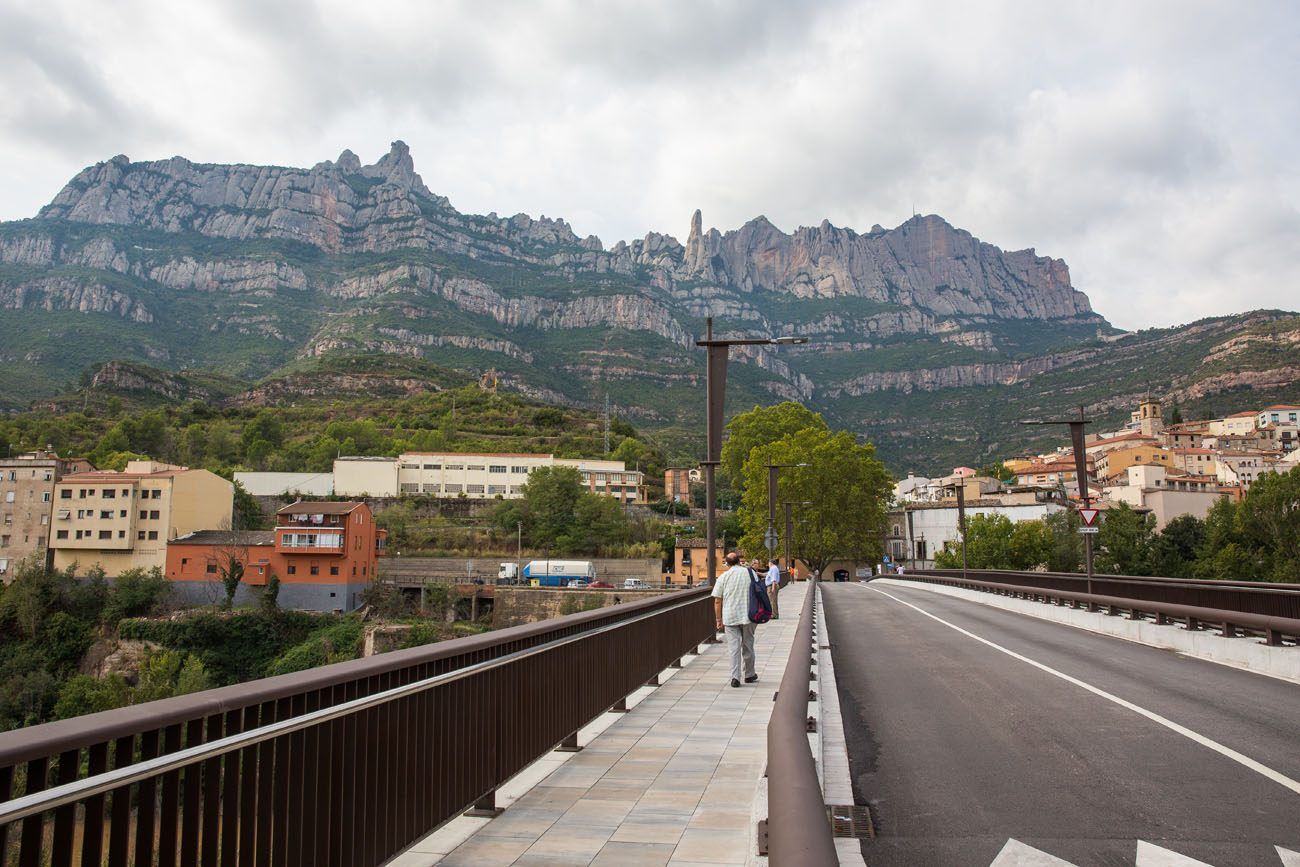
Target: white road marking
(1289,858)
(1017,854)
(1151,855)
(1246,761)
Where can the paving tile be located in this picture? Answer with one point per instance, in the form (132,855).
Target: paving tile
(633,854)
(521,822)
(576,840)
(645,827)
(486,850)
(712,846)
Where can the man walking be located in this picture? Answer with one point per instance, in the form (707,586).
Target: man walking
(773,582)
(731,611)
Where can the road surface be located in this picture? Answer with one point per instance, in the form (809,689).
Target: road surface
(1080,747)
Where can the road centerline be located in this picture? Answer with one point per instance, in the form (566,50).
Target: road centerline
(1223,750)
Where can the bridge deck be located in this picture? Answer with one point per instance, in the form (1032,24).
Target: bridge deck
(673,781)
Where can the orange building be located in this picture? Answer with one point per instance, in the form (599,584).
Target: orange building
(324,554)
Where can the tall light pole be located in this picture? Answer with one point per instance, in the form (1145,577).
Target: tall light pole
(1079,443)
(715,387)
(770,538)
(789,532)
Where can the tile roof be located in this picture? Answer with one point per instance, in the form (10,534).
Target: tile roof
(240,538)
(318,508)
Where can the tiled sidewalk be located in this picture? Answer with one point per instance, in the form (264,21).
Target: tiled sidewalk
(671,782)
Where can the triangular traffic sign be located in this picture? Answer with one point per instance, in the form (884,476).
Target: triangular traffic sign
(1089,516)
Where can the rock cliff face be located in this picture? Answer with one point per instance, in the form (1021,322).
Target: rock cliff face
(245,268)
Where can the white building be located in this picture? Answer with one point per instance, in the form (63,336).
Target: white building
(1166,496)
(919,530)
(278,484)
(475,475)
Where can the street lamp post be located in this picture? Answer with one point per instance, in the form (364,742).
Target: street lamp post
(715,387)
(1079,444)
(789,532)
(770,537)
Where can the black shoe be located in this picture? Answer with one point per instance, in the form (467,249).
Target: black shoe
(753,678)
(735,682)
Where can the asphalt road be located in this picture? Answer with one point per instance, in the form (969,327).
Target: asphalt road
(959,747)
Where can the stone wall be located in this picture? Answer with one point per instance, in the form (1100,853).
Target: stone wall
(515,606)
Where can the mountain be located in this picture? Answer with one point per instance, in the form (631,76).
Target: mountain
(257,271)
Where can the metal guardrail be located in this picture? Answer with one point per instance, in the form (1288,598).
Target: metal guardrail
(798,831)
(1273,628)
(1256,597)
(342,765)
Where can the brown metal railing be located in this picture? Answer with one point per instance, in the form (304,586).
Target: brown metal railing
(798,830)
(1256,597)
(343,765)
(1161,603)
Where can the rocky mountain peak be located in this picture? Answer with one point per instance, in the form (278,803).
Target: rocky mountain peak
(348,163)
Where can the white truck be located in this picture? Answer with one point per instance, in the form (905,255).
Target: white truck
(508,573)
(560,573)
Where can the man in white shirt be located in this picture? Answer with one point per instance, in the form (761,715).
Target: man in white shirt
(773,581)
(731,611)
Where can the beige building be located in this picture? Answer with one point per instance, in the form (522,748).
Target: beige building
(1237,424)
(123,520)
(26,496)
(1115,462)
(1166,496)
(475,475)
(678,481)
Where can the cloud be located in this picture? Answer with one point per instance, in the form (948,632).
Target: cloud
(1149,145)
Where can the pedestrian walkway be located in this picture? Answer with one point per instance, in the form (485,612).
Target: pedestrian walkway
(672,782)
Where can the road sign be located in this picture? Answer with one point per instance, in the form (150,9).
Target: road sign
(1088,530)
(1089,516)
(769,539)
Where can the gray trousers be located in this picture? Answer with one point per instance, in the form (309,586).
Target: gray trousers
(740,644)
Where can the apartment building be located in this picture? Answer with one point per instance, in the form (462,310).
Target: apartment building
(475,475)
(26,496)
(678,481)
(124,520)
(1115,462)
(1166,496)
(1282,413)
(325,555)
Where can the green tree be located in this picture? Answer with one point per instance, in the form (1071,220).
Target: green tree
(1268,523)
(1174,549)
(136,593)
(845,487)
(997,470)
(759,427)
(264,427)
(1124,542)
(83,694)
(247,510)
(1066,554)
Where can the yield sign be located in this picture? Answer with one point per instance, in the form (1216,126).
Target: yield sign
(1089,516)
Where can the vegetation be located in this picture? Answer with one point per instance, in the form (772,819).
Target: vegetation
(1257,539)
(841,488)
(559,515)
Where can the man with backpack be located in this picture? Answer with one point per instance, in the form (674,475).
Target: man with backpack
(739,604)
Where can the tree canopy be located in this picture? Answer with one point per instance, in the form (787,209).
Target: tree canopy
(558,513)
(758,427)
(845,489)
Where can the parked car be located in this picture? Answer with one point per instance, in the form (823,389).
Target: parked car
(635,584)
(601,585)
(577,582)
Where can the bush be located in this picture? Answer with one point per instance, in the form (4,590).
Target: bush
(337,643)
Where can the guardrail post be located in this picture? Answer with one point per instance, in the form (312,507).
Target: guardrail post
(620,706)
(569,745)
(486,807)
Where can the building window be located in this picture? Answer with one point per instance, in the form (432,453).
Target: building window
(122,513)
(315,570)
(157,494)
(121,534)
(139,534)
(431,489)
(452,489)
(516,489)
(105,513)
(410,488)
(496,489)
(410,466)
(473,489)
(292,569)
(61,534)
(433,466)
(519,470)
(109,494)
(476,468)
(455,466)
(9,496)
(153,516)
(334,570)
(143,514)
(105,534)
(497,468)
(211,568)
(153,535)
(65,494)
(45,497)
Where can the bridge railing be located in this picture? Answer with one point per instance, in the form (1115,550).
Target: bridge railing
(345,764)
(798,830)
(1272,611)
(1257,597)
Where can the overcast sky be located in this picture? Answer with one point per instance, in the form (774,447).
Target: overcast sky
(1152,145)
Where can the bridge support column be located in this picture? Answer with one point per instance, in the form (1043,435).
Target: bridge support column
(570,745)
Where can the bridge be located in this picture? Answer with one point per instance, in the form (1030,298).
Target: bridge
(938,718)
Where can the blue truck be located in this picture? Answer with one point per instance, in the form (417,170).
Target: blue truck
(559,573)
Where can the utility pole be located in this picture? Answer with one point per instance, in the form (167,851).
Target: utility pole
(607,423)
(961,523)
(1078,441)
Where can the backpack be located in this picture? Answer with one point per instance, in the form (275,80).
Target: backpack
(760,605)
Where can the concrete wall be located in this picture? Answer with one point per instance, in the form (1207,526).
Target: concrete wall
(412,571)
(298,597)
(515,606)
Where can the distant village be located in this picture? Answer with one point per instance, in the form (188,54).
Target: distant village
(1164,470)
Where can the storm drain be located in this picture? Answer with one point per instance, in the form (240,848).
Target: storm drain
(850,820)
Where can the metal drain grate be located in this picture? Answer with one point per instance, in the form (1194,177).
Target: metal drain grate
(850,820)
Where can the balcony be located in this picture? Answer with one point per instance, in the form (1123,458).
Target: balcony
(309,542)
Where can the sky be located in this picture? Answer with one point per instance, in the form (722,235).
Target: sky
(1151,145)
